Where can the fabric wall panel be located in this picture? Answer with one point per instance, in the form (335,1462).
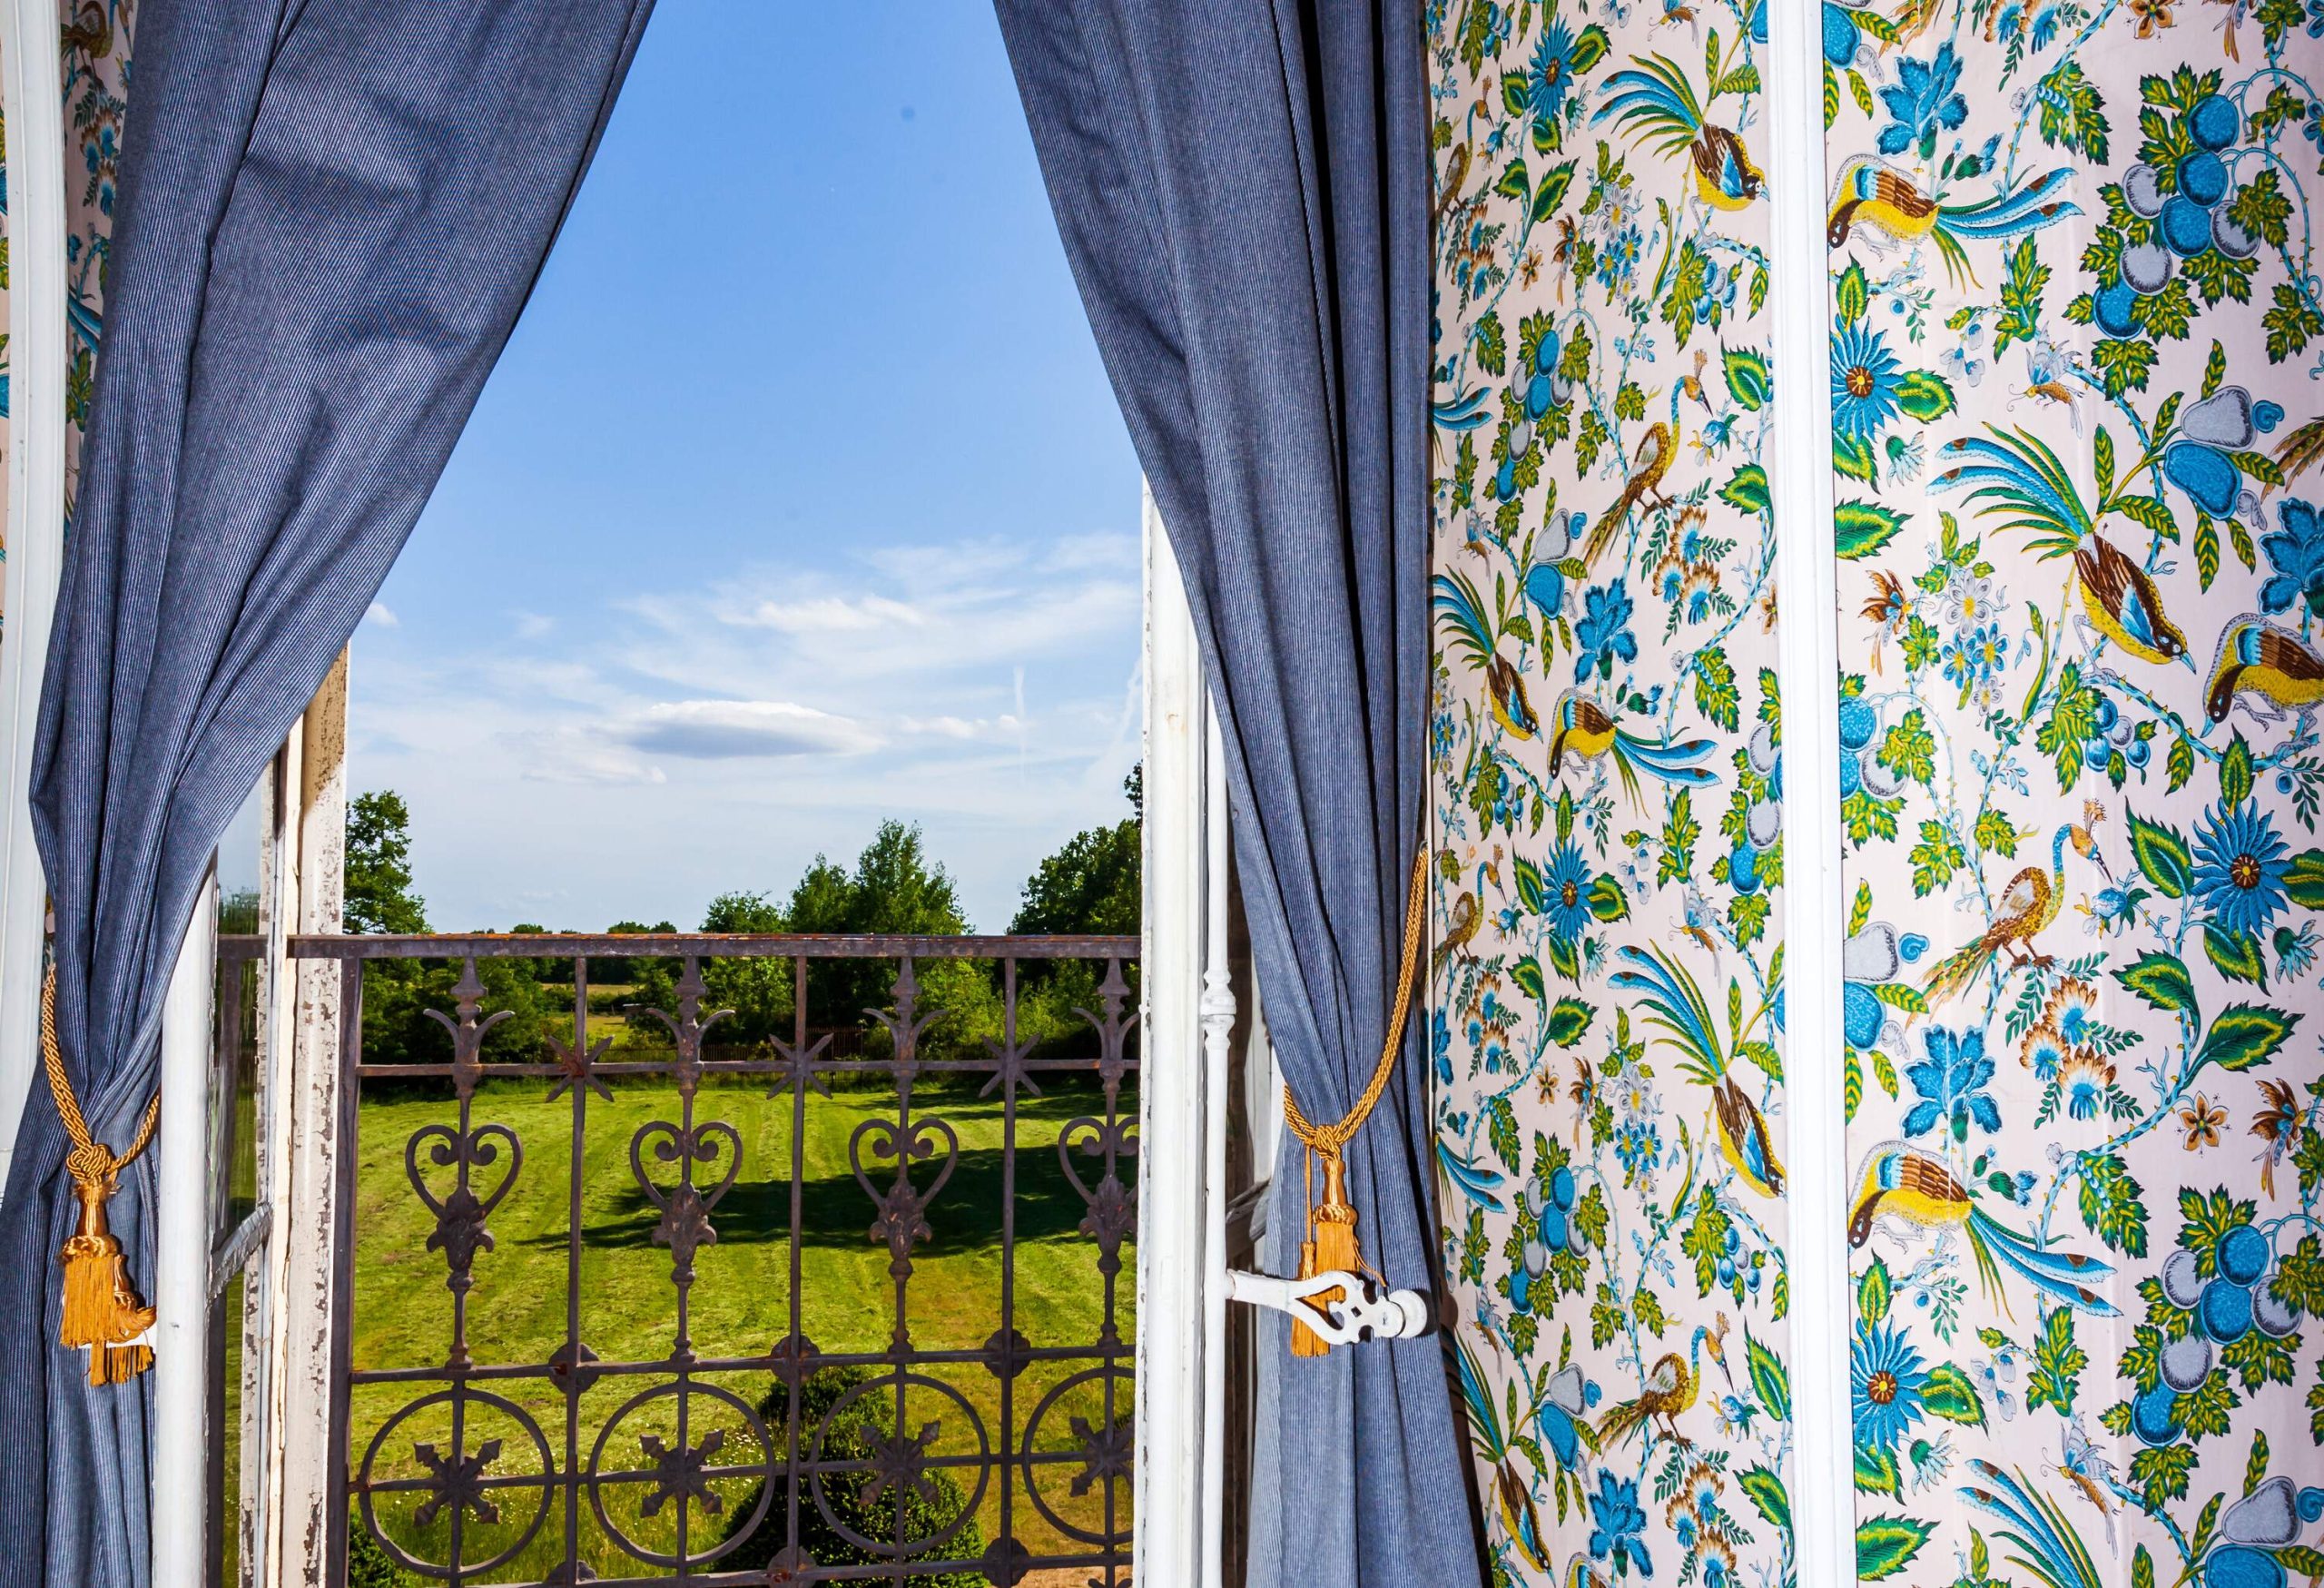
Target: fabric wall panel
(2074,348)
(2075,334)
(1607,1017)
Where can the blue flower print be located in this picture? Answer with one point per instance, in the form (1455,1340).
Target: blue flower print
(1927,98)
(2240,865)
(1886,1378)
(1604,631)
(1865,387)
(1951,1083)
(1551,77)
(1619,1526)
(1567,884)
(2296,552)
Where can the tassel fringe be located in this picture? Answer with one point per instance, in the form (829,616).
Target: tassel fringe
(1331,1245)
(102,1311)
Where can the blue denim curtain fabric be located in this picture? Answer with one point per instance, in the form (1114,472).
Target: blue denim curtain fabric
(1243,191)
(331,212)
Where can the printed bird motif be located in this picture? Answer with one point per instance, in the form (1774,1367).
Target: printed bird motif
(2019,478)
(2267,666)
(1675,1004)
(1459,931)
(2298,452)
(1520,1521)
(1477,1183)
(1580,726)
(1658,103)
(1652,461)
(2054,1554)
(90,32)
(1900,1184)
(1883,199)
(2124,605)
(1464,613)
(1672,1387)
(2027,906)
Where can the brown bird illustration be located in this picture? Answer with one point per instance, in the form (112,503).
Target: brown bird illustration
(1653,461)
(90,32)
(2267,666)
(1672,1386)
(2027,906)
(2300,451)
(1458,932)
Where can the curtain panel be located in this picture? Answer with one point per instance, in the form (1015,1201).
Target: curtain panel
(1243,192)
(329,216)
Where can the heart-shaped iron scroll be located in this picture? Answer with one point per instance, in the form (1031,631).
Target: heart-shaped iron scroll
(902,1222)
(460,1213)
(686,1206)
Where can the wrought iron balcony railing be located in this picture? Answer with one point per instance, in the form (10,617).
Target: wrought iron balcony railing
(705,1277)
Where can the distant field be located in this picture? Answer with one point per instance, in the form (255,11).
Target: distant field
(739,1302)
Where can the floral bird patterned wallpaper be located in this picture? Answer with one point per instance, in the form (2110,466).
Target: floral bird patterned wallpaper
(2076,337)
(2075,344)
(93,65)
(1608,974)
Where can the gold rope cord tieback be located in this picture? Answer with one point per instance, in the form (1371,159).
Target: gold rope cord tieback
(1331,1242)
(102,1313)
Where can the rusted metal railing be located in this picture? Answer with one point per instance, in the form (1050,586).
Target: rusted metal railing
(747,1450)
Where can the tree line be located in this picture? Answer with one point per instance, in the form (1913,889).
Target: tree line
(1090,885)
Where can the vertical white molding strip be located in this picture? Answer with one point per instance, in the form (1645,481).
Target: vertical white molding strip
(1217,1056)
(182,1258)
(1173,1312)
(1800,486)
(36,545)
(305,1255)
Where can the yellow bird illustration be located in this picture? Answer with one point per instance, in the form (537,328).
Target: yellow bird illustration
(2027,906)
(2018,478)
(2265,665)
(1901,1184)
(1463,612)
(1581,726)
(1656,102)
(1647,469)
(1881,199)
(2124,604)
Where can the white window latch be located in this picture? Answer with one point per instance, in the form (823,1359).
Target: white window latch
(1364,1310)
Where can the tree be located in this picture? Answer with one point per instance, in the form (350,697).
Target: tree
(397,994)
(1093,886)
(757,990)
(379,896)
(893,889)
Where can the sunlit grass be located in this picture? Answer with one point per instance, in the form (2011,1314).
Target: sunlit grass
(741,1302)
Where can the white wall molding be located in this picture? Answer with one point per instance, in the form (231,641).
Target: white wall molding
(181,1216)
(1187,1006)
(35,529)
(1800,485)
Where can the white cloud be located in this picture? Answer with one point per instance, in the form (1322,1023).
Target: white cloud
(531,626)
(717,733)
(722,729)
(382,615)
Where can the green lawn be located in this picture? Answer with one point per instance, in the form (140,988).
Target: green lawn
(740,1303)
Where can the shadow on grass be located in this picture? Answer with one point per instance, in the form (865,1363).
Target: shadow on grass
(834,1211)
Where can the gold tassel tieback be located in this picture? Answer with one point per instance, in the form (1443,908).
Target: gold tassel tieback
(1331,1244)
(102,1315)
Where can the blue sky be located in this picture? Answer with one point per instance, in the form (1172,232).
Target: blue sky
(798,500)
